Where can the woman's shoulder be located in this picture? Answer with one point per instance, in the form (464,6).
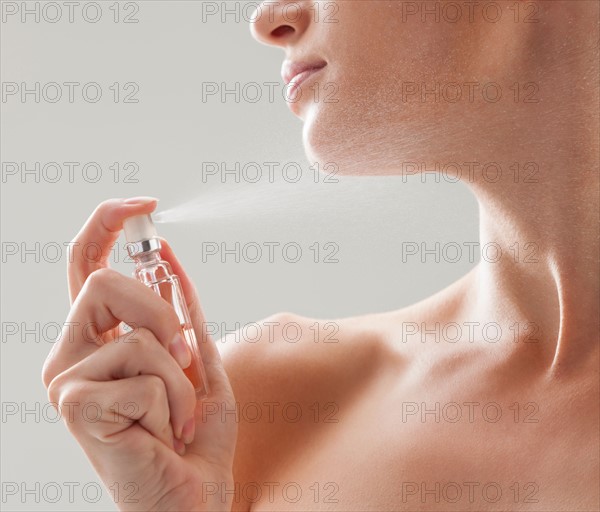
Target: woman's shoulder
(266,358)
(277,354)
(270,346)
(295,377)
(294,383)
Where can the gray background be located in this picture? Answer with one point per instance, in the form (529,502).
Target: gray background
(169,133)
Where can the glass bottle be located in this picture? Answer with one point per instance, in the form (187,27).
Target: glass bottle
(144,248)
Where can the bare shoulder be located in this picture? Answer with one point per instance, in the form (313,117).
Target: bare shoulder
(292,355)
(294,380)
(289,357)
(271,344)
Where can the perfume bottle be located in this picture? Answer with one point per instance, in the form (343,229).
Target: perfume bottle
(143,246)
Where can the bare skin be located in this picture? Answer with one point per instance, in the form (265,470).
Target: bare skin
(499,420)
(540,371)
(482,397)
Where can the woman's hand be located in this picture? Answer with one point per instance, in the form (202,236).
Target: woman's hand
(124,395)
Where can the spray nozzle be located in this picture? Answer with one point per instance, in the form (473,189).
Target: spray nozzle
(138,228)
(141,235)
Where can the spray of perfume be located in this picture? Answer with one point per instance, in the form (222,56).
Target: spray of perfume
(143,247)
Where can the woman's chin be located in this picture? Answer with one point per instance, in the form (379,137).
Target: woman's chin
(329,144)
(346,143)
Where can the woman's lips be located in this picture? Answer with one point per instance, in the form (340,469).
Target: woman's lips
(289,69)
(295,83)
(295,73)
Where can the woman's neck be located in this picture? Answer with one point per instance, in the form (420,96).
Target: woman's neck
(540,234)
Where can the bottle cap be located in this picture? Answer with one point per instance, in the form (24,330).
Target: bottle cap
(138,228)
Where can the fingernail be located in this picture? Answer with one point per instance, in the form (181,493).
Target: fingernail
(179,446)
(189,429)
(180,351)
(140,200)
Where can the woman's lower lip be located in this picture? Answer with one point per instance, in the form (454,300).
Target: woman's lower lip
(294,86)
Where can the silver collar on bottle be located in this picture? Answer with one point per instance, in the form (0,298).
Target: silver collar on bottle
(150,244)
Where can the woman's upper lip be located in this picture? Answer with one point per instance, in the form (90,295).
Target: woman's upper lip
(290,69)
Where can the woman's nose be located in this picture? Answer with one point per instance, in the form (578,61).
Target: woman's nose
(280,22)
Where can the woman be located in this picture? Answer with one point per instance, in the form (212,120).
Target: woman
(482,397)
